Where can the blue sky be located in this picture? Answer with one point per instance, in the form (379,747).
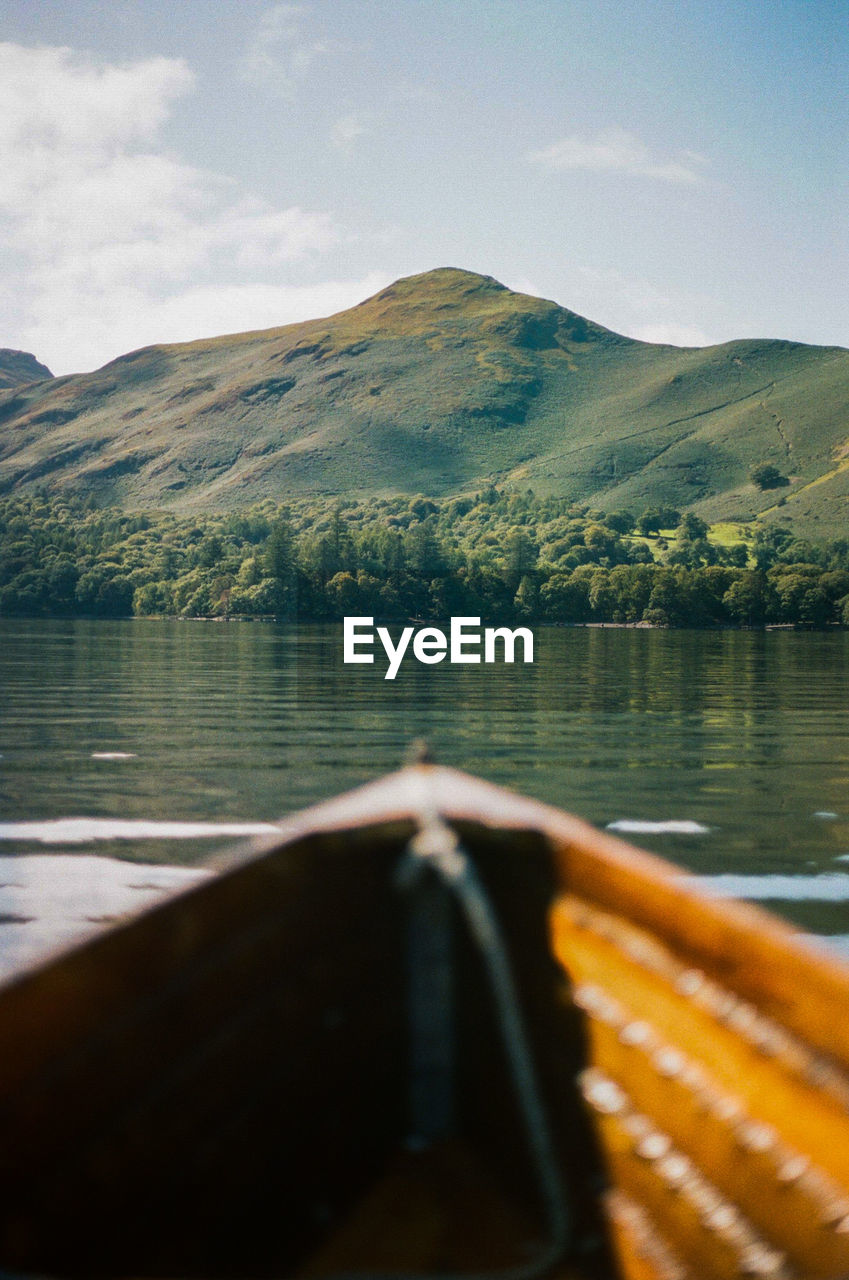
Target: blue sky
(676,171)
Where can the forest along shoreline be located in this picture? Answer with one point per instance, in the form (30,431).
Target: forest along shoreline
(498,554)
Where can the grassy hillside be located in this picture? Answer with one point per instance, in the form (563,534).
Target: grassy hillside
(19,367)
(440,384)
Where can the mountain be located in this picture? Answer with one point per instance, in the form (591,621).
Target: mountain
(442,383)
(18,367)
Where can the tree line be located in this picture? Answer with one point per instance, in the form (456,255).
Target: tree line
(504,556)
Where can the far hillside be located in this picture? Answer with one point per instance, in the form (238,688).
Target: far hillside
(442,384)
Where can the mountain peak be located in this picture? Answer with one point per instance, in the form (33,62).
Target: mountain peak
(439,282)
(444,291)
(451,298)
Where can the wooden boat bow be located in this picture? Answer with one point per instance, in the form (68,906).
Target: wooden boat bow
(220,1086)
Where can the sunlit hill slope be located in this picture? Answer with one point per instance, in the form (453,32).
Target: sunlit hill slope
(441,383)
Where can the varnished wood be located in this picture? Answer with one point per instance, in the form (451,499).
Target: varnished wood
(642,1253)
(218,1087)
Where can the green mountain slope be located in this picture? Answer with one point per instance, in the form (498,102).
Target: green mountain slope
(439,384)
(19,367)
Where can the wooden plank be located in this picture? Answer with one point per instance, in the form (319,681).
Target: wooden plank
(748,1119)
(721,1246)
(641,1252)
(774,1076)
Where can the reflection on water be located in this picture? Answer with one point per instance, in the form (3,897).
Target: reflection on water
(828,886)
(49,901)
(743,734)
(669,827)
(90,830)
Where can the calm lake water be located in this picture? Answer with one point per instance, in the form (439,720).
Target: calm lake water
(743,737)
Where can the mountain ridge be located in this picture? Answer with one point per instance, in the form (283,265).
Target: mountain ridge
(440,383)
(20,367)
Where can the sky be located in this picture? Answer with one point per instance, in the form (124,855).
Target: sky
(677,171)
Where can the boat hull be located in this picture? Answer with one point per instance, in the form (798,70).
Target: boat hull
(222,1086)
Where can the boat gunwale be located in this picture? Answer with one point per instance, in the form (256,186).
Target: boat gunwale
(739,943)
(746,947)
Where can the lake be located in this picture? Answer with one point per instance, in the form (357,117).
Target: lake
(727,752)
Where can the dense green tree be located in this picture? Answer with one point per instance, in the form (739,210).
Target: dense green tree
(209,551)
(521,555)
(566,598)
(154,598)
(669,604)
(750,600)
(691,527)
(766,476)
(800,597)
(835,584)
(631,587)
(620,521)
(602,596)
(737,555)
(279,564)
(423,551)
(770,545)
(654,519)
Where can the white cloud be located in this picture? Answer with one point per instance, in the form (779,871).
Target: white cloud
(50,97)
(346,130)
(107,236)
(283,52)
(129,317)
(617,151)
